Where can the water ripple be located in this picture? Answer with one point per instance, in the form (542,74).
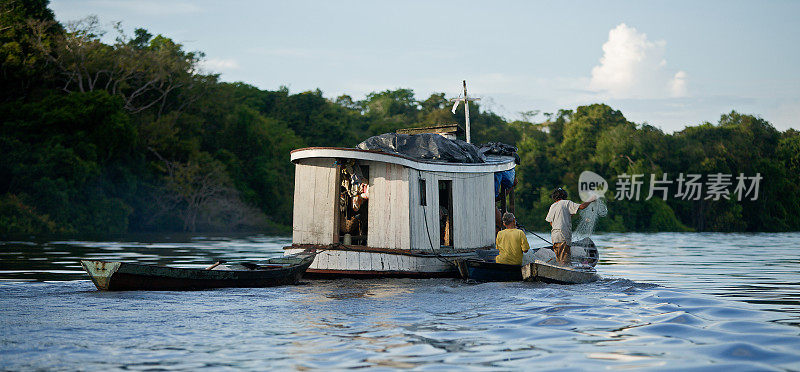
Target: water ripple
(667,301)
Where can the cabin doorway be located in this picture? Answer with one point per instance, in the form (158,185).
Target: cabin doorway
(352,203)
(446,213)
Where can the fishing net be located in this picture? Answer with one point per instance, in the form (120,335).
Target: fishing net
(588,219)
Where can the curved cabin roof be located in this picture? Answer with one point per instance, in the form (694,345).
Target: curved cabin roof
(494,163)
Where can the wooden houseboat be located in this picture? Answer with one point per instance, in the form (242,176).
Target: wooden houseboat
(375,213)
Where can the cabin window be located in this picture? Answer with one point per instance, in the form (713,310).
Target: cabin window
(422,190)
(446,213)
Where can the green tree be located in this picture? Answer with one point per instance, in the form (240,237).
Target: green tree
(25,24)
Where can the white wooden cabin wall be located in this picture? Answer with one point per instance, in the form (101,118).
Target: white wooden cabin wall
(420,215)
(396,218)
(473,209)
(388,219)
(314,202)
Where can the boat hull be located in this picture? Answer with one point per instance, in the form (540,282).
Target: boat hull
(121,276)
(366,262)
(543,272)
(483,271)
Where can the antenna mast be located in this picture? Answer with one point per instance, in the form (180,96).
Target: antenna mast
(466,100)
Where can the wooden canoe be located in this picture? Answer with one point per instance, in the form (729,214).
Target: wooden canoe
(123,276)
(483,271)
(543,272)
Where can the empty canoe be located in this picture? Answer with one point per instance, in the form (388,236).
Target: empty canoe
(123,276)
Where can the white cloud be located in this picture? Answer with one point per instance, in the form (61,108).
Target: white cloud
(634,67)
(218,64)
(677,85)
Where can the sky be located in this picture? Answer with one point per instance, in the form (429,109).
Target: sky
(669,64)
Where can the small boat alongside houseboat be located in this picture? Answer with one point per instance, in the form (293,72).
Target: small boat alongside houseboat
(542,267)
(486,271)
(539,271)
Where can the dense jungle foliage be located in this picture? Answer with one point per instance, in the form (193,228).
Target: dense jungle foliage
(101,138)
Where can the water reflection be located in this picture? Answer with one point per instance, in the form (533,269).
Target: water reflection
(761,269)
(666,300)
(59,260)
(426,324)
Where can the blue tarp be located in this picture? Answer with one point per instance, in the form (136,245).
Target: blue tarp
(503,180)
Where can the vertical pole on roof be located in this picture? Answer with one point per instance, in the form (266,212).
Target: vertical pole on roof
(466,100)
(466,110)
(511,203)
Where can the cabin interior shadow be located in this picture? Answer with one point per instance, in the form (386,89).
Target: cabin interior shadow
(446,213)
(353,202)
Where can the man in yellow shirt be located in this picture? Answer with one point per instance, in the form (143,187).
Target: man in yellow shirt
(511,242)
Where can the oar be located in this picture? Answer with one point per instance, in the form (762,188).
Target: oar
(220,262)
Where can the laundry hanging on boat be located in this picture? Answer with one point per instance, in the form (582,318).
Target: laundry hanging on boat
(503,181)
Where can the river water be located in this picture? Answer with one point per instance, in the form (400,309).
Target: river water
(686,301)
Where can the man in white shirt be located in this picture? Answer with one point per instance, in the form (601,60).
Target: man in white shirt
(560,218)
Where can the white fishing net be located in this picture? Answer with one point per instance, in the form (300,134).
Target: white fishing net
(588,219)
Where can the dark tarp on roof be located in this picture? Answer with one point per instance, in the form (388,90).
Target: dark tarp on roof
(426,146)
(499,148)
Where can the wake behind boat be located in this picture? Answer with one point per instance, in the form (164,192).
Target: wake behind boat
(123,276)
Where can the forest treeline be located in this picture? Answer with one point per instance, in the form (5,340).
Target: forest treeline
(133,136)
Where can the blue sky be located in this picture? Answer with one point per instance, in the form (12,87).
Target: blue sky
(667,63)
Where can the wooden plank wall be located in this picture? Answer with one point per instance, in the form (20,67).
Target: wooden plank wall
(314,202)
(473,209)
(420,215)
(396,218)
(368,261)
(388,217)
